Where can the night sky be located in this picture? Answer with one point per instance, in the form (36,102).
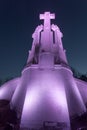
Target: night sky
(18,20)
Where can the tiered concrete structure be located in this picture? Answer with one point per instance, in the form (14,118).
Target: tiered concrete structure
(46,93)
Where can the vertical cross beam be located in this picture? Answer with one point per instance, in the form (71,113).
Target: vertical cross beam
(47,16)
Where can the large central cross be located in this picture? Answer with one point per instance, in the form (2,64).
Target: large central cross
(47,16)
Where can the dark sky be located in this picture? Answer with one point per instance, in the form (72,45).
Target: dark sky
(19,18)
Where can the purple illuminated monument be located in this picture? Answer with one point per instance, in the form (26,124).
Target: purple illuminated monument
(46,93)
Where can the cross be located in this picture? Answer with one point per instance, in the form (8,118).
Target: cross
(47,16)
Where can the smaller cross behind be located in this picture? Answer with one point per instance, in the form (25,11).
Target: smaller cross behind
(47,16)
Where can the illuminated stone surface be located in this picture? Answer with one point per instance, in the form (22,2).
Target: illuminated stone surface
(46,90)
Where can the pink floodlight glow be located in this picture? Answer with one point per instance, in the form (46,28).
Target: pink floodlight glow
(32,98)
(2,93)
(58,97)
(46,90)
(5,93)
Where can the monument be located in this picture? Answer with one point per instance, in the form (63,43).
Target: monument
(46,95)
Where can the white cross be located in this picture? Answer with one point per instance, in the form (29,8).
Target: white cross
(47,16)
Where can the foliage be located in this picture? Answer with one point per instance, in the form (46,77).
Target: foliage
(78,75)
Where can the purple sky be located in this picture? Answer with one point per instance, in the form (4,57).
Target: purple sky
(19,18)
